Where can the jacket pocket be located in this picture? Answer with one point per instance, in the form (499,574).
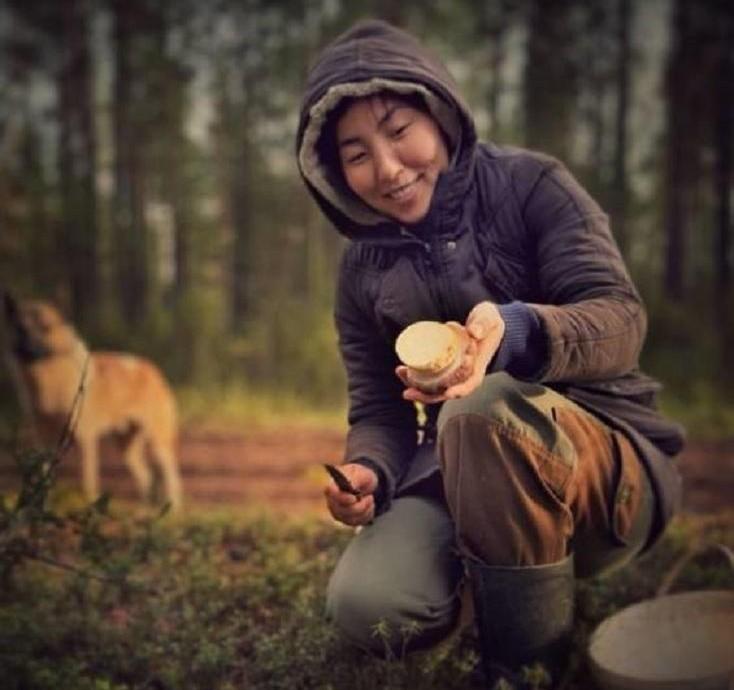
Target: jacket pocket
(506,277)
(554,474)
(400,297)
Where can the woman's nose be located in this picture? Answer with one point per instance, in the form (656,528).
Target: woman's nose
(387,164)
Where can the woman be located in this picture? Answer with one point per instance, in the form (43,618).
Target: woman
(545,457)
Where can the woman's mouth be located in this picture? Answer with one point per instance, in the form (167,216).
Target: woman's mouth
(403,192)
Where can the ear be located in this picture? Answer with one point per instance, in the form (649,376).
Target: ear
(11,306)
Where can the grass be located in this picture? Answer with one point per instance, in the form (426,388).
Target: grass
(218,600)
(705,414)
(235,407)
(223,600)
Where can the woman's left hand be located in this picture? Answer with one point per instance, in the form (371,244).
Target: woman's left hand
(485,328)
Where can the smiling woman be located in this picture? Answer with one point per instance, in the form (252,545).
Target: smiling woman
(391,153)
(538,459)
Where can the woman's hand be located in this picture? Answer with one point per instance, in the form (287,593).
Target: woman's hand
(350,509)
(485,329)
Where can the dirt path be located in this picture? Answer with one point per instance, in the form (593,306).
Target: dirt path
(708,476)
(280,470)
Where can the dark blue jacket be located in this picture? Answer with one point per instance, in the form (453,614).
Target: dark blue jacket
(506,225)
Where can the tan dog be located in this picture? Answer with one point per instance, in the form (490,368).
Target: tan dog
(123,395)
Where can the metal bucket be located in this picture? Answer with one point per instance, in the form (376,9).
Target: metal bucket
(672,642)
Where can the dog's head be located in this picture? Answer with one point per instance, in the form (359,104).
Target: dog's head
(37,329)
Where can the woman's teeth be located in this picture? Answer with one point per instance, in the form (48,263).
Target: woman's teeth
(401,192)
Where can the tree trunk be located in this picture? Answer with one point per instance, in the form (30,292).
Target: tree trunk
(496,60)
(550,77)
(232,153)
(241,249)
(724,140)
(78,240)
(619,183)
(679,161)
(131,240)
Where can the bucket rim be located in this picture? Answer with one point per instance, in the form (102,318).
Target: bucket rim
(607,628)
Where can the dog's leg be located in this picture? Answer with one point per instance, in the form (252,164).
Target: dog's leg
(163,453)
(136,462)
(90,466)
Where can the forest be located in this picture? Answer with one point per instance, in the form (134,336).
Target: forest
(148,184)
(149,188)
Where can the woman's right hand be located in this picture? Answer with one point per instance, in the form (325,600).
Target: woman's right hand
(484,331)
(347,508)
(469,352)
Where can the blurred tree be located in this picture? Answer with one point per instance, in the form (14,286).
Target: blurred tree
(620,179)
(698,185)
(683,138)
(551,76)
(48,52)
(244,40)
(495,21)
(234,131)
(723,190)
(484,30)
(187,246)
(213,257)
(723,144)
(78,239)
(593,59)
(694,68)
(132,24)
(39,221)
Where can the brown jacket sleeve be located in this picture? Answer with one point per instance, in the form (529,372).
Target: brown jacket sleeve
(592,315)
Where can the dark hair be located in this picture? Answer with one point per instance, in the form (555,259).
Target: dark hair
(327,147)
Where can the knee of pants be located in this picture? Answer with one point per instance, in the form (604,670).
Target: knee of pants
(497,397)
(377,617)
(506,490)
(506,510)
(518,406)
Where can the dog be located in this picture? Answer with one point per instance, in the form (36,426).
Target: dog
(93,395)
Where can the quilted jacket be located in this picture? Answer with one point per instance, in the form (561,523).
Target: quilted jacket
(505,224)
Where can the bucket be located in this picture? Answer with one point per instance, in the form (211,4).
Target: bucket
(679,641)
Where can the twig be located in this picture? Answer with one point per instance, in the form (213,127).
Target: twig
(696,549)
(93,576)
(67,435)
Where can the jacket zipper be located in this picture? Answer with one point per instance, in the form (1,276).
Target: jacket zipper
(433,279)
(437,279)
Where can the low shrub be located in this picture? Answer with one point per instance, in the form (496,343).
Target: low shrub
(94,599)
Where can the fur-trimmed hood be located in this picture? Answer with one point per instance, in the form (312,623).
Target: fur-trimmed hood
(372,57)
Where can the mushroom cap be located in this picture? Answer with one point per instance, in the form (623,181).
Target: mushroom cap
(427,346)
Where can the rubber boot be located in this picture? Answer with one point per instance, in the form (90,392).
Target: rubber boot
(525,617)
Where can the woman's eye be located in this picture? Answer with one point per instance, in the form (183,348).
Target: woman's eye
(356,157)
(399,131)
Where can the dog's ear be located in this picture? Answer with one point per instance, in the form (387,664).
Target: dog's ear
(11,306)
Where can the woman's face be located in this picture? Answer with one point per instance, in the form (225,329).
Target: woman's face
(391,154)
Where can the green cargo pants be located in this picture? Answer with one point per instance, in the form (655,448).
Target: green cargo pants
(528,477)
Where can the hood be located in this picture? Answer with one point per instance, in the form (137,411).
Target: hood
(370,57)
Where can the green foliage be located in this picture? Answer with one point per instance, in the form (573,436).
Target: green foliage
(297,347)
(685,352)
(226,599)
(705,411)
(236,407)
(208,255)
